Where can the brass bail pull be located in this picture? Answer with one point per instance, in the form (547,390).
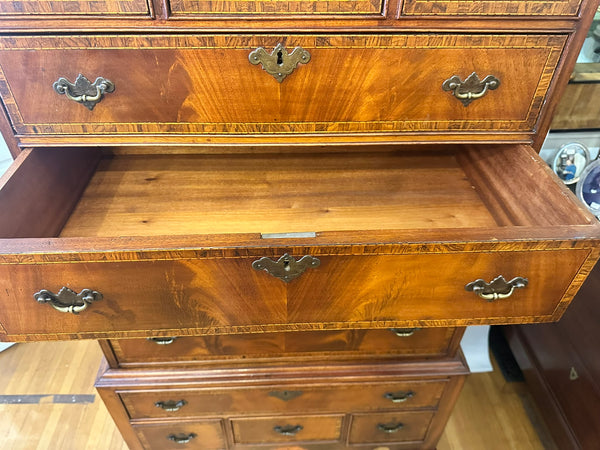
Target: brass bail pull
(497,289)
(470,89)
(182,438)
(83,91)
(68,301)
(399,397)
(288,430)
(279,62)
(390,427)
(171,405)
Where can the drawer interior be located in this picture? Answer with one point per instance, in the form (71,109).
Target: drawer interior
(114,193)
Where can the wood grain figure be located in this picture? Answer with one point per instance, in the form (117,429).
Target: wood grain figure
(280,252)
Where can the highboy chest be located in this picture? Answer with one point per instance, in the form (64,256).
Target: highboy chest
(278,216)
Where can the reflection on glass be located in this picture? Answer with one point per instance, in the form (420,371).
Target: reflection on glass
(588,189)
(569,162)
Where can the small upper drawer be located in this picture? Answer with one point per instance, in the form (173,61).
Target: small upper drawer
(199,435)
(280,9)
(94,8)
(490,8)
(286,429)
(389,427)
(285,242)
(375,87)
(248,348)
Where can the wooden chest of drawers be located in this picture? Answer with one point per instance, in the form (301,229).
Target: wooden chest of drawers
(403,404)
(301,204)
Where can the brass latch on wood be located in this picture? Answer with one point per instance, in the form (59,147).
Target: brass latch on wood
(286,268)
(470,89)
(497,289)
(279,62)
(83,91)
(68,301)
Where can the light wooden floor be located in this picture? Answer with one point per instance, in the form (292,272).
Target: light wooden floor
(491,414)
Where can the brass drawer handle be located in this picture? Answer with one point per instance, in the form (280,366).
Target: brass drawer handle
(404,332)
(83,91)
(390,427)
(497,289)
(68,301)
(181,438)
(286,268)
(171,405)
(399,397)
(288,430)
(470,89)
(279,62)
(162,340)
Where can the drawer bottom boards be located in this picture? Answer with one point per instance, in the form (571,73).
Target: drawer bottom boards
(179,412)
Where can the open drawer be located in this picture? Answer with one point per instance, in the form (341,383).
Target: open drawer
(206,243)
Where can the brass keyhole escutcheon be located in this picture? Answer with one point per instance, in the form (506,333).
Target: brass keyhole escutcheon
(286,268)
(279,62)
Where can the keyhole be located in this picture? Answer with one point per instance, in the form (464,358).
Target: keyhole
(280,57)
(286,265)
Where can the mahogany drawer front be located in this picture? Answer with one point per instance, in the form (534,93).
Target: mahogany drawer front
(287,429)
(202,435)
(277,9)
(489,8)
(389,427)
(88,8)
(142,404)
(397,343)
(184,84)
(207,295)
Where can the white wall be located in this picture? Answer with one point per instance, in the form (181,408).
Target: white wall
(5,158)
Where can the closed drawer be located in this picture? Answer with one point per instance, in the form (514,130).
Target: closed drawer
(398,263)
(278,8)
(389,427)
(286,429)
(92,8)
(490,8)
(366,396)
(395,343)
(206,85)
(203,435)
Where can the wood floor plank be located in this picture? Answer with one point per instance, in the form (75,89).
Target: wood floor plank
(490,414)
(49,369)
